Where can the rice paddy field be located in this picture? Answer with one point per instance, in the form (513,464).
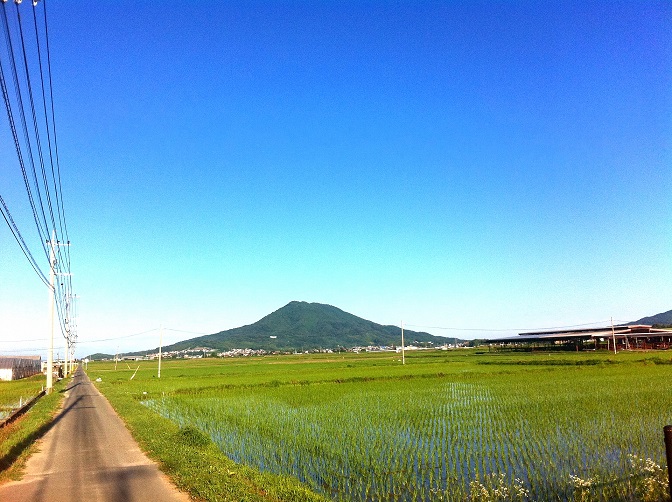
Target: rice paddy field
(16,392)
(446,426)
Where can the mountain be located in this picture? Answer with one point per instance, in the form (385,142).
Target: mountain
(99,356)
(662,319)
(304,326)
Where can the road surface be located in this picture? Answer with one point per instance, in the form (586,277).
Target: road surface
(88,454)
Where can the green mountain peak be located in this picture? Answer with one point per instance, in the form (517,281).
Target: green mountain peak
(302,326)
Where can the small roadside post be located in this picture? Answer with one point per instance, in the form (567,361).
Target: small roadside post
(667,430)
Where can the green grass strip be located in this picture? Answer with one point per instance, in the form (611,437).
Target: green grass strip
(17,440)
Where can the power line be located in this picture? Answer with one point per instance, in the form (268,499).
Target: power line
(53,121)
(20,341)
(36,128)
(142,333)
(57,175)
(120,337)
(26,350)
(17,146)
(44,191)
(46,117)
(452,328)
(184,331)
(85,341)
(47,187)
(43,231)
(22,243)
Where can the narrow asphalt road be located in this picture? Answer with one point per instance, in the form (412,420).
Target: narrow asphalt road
(88,454)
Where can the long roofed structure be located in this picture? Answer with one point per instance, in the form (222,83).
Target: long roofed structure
(635,336)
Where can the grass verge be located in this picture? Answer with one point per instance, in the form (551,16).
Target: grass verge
(17,440)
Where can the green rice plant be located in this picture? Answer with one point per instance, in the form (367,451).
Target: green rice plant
(13,393)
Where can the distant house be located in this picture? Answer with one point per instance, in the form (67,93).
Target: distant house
(14,368)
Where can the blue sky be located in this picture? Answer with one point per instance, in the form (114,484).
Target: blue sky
(452,164)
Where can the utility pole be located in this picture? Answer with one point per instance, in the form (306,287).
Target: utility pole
(160,344)
(52,300)
(68,341)
(403,355)
(613,334)
(73,330)
(65,358)
(52,304)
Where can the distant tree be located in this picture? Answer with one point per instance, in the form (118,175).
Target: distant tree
(475,343)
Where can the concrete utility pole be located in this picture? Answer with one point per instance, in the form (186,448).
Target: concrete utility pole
(613,334)
(52,300)
(68,337)
(52,304)
(67,355)
(403,355)
(73,330)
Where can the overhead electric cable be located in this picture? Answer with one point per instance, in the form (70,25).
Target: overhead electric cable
(53,122)
(143,333)
(53,114)
(10,118)
(21,341)
(22,243)
(120,337)
(184,331)
(36,128)
(46,117)
(44,189)
(38,209)
(60,251)
(451,328)
(57,174)
(26,350)
(42,231)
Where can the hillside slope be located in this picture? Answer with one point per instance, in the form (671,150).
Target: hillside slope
(304,326)
(664,319)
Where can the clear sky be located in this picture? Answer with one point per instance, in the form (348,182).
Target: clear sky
(453,164)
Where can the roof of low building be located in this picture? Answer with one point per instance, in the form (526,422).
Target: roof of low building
(635,330)
(14,361)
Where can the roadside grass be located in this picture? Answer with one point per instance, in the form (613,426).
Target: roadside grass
(17,440)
